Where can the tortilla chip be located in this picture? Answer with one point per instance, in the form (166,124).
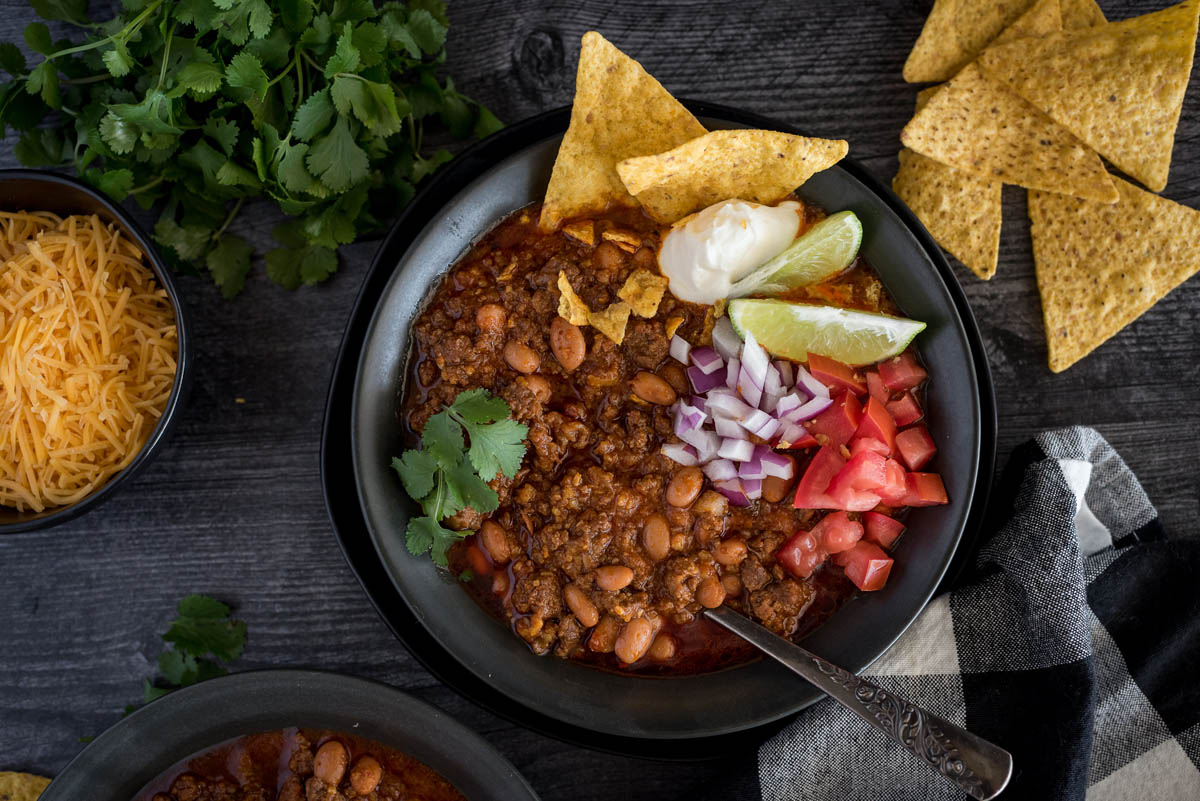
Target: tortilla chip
(1119,86)
(961,210)
(612,321)
(583,231)
(1043,17)
(21,786)
(1081,14)
(619,111)
(672,325)
(761,166)
(1100,266)
(711,315)
(570,306)
(955,32)
(643,291)
(977,126)
(625,240)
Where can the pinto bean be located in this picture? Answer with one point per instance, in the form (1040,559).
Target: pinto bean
(613,577)
(663,648)
(634,640)
(685,486)
(604,636)
(581,605)
(538,385)
(567,343)
(730,552)
(521,357)
(365,775)
(656,537)
(710,592)
(653,389)
(491,317)
(329,764)
(494,540)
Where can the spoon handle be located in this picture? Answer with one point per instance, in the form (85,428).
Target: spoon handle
(979,767)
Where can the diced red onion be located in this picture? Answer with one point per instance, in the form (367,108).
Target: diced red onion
(680,348)
(737,450)
(768,429)
(688,418)
(732,489)
(769,400)
(700,403)
(776,464)
(748,388)
(752,487)
(707,359)
(728,405)
(752,469)
(785,372)
(756,420)
(773,382)
(807,411)
(725,339)
(791,433)
(702,381)
(706,443)
(811,385)
(729,428)
(732,368)
(721,470)
(788,403)
(681,453)
(755,362)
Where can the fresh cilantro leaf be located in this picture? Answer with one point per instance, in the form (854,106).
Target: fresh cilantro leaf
(486,123)
(429,34)
(337,159)
(443,438)
(37,36)
(205,635)
(306,265)
(417,470)
(471,487)
(467,576)
(371,42)
(118,134)
(313,116)
(118,60)
(229,263)
(67,10)
(223,132)
(43,81)
(456,114)
(245,72)
(292,173)
(476,406)
(12,60)
(295,14)
(426,535)
(114,183)
(202,607)
(423,167)
(150,693)
(188,242)
(200,78)
(497,448)
(436,8)
(260,18)
(352,10)
(346,57)
(42,147)
(233,174)
(374,104)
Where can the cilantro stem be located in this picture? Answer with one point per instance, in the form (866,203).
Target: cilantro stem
(167,36)
(148,185)
(124,33)
(104,76)
(285,71)
(228,219)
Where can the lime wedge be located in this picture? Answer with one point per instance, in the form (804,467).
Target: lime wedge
(793,330)
(825,249)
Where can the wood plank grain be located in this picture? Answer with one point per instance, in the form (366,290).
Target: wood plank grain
(232,506)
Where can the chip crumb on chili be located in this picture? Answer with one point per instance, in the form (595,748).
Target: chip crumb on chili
(582,231)
(570,306)
(611,321)
(643,291)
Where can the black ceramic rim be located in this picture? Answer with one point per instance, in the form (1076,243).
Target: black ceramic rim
(183,364)
(337,467)
(139,748)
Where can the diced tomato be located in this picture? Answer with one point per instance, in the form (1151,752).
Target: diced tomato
(878,424)
(805,440)
(876,389)
(881,529)
(811,492)
(836,532)
(801,554)
(835,375)
(905,410)
(866,565)
(860,444)
(902,372)
(924,489)
(855,487)
(839,422)
(895,488)
(916,447)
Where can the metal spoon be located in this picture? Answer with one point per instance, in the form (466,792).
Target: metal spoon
(980,768)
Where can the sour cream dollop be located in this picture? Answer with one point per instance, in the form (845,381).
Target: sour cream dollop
(702,256)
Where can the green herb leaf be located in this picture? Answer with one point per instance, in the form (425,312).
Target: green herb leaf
(345,56)
(307,265)
(202,607)
(114,183)
(188,242)
(12,60)
(260,18)
(229,263)
(337,159)
(498,448)
(426,535)
(205,635)
(118,61)
(429,34)
(37,36)
(313,116)
(443,438)
(471,487)
(67,10)
(200,78)
(245,72)
(43,81)
(417,470)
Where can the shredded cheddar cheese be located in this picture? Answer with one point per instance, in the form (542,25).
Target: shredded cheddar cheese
(87,356)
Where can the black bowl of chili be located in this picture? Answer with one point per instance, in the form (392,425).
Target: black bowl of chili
(479,656)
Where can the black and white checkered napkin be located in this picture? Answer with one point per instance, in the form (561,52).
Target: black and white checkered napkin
(1074,643)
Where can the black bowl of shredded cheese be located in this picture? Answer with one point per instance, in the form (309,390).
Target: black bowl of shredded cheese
(94,353)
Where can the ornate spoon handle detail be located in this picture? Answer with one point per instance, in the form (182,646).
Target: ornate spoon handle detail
(979,767)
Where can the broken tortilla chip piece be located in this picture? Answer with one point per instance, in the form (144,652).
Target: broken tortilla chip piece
(760,166)
(583,231)
(570,306)
(643,291)
(961,210)
(955,32)
(1081,14)
(619,111)
(672,325)
(611,321)
(1100,266)
(1119,87)
(21,786)
(976,125)
(625,240)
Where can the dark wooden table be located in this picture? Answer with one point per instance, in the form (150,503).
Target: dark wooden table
(233,507)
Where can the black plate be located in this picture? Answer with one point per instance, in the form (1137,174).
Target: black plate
(42,190)
(124,759)
(479,656)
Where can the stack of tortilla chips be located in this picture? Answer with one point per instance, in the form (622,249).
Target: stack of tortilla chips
(1037,92)
(630,143)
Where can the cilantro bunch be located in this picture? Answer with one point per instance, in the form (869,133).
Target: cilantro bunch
(447,475)
(204,635)
(197,106)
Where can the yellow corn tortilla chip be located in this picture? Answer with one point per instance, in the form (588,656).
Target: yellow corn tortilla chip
(761,166)
(619,111)
(961,210)
(1100,266)
(625,240)
(21,786)
(1043,17)
(672,325)
(582,231)
(1081,14)
(1119,87)
(611,321)
(977,126)
(643,291)
(570,306)
(955,32)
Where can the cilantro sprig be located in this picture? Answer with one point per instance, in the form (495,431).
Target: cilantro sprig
(196,106)
(202,638)
(446,474)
